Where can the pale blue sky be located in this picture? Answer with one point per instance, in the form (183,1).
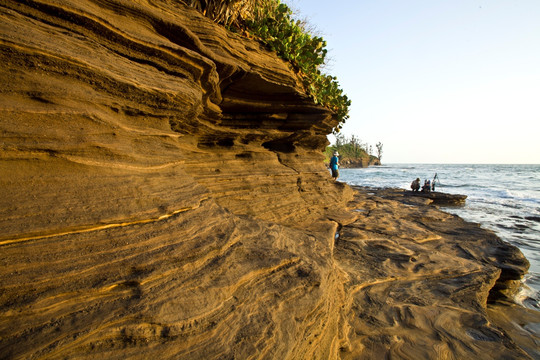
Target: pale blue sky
(437,81)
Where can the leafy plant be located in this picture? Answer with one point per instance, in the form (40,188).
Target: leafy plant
(272,22)
(351,148)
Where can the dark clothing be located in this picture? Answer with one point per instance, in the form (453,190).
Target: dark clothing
(415,185)
(334,165)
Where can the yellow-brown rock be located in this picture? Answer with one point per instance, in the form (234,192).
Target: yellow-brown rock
(163,195)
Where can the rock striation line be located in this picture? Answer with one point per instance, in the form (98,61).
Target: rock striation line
(92,228)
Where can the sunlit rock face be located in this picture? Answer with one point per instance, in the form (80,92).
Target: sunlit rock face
(163,195)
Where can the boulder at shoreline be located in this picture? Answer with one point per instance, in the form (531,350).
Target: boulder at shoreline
(440,198)
(435,197)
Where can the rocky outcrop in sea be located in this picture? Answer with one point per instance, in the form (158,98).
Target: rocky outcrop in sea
(163,195)
(359,163)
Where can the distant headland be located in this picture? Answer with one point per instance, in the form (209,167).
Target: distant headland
(353,153)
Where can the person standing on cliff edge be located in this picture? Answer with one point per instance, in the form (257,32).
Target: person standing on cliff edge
(334,165)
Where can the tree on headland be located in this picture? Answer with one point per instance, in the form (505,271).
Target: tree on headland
(352,152)
(379,150)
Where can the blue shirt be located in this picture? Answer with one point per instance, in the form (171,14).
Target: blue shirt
(334,163)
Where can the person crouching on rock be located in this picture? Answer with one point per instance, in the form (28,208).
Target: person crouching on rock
(415,185)
(334,165)
(427,186)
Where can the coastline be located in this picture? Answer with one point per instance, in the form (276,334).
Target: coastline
(511,211)
(428,260)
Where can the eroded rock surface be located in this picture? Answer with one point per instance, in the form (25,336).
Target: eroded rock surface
(163,195)
(420,280)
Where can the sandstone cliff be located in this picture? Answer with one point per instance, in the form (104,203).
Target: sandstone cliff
(163,195)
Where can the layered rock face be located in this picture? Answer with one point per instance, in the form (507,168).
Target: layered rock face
(163,194)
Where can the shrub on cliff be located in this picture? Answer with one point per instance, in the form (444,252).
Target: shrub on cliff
(272,23)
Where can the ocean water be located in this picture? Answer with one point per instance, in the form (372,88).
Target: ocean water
(502,198)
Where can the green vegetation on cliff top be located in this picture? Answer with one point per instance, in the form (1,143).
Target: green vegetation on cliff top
(272,23)
(352,150)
